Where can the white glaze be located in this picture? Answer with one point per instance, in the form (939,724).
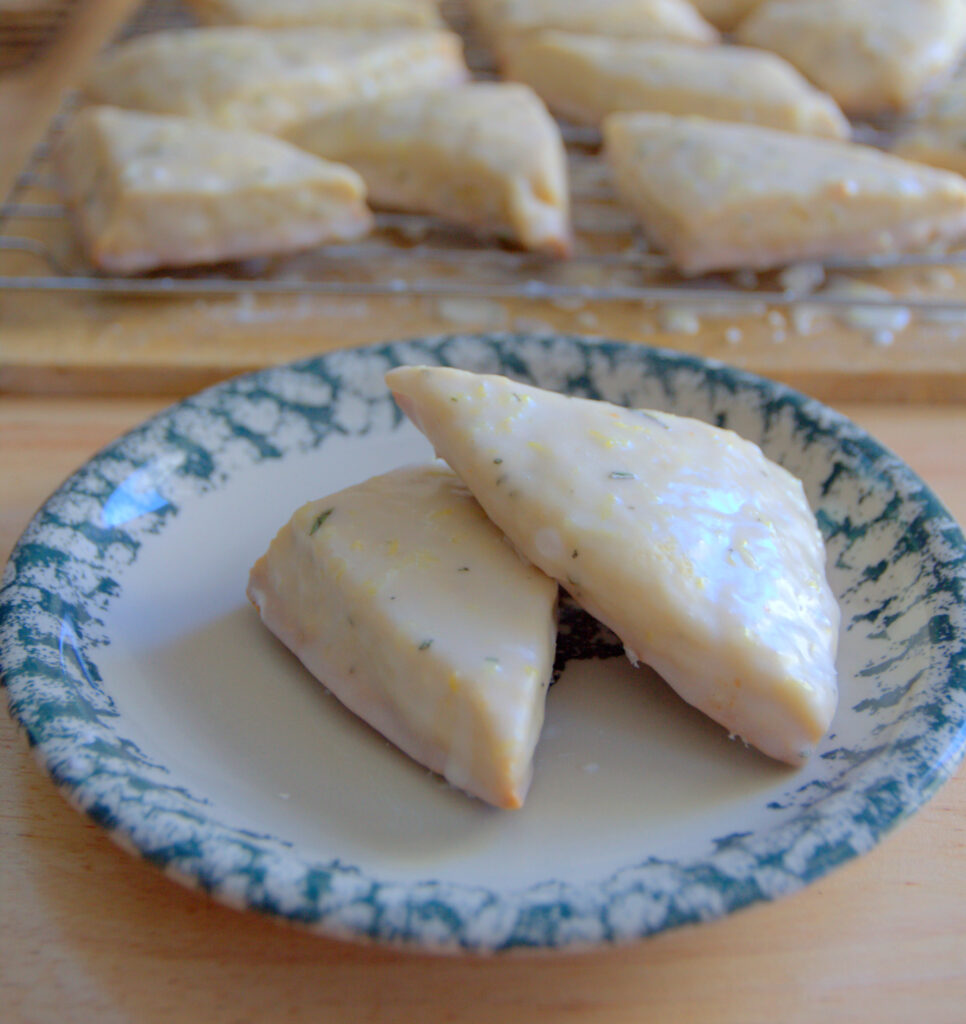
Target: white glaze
(701,554)
(401,596)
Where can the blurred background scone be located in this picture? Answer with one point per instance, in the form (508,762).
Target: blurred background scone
(269,80)
(333,13)
(873,56)
(720,196)
(150,191)
(502,23)
(584,78)
(486,155)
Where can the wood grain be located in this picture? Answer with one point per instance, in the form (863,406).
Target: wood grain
(90,933)
(90,345)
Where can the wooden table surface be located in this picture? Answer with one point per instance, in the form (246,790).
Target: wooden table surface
(89,933)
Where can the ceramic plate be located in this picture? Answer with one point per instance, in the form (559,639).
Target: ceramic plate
(164,710)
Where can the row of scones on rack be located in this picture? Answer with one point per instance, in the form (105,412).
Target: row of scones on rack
(277,128)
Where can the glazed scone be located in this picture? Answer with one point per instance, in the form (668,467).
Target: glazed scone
(719,196)
(268,80)
(486,155)
(726,14)
(697,551)
(502,23)
(409,605)
(585,78)
(334,13)
(151,191)
(873,56)
(937,135)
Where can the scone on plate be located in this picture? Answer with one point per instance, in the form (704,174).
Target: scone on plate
(719,196)
(151,191)
(502,23)
(726,14)
(937,134)
(873,56)
(697,551)
(334,13)
(486,155)
(410,606)
(267,80)
(585,78)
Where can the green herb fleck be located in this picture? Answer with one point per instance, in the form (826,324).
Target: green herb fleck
(574,555)
(463,568)
(619,474)
(320,519)
(425,645)
(498,462)
(492,660)
(453,398)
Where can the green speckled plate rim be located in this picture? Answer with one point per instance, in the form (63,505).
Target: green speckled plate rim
(52,602)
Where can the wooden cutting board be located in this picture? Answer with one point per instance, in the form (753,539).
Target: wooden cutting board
(54,342)
(86,344)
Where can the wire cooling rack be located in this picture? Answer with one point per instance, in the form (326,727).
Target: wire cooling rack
(420,256)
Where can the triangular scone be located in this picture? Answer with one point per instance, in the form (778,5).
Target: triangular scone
(486,155)
(151,191)
(502,23)
(334,13)
(726,14)
(873,56)
(697,551)
(717,196)
(409,605)
(585,78)
(241,77)
(937,135)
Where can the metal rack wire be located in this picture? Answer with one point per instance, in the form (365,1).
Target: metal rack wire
(419,256)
